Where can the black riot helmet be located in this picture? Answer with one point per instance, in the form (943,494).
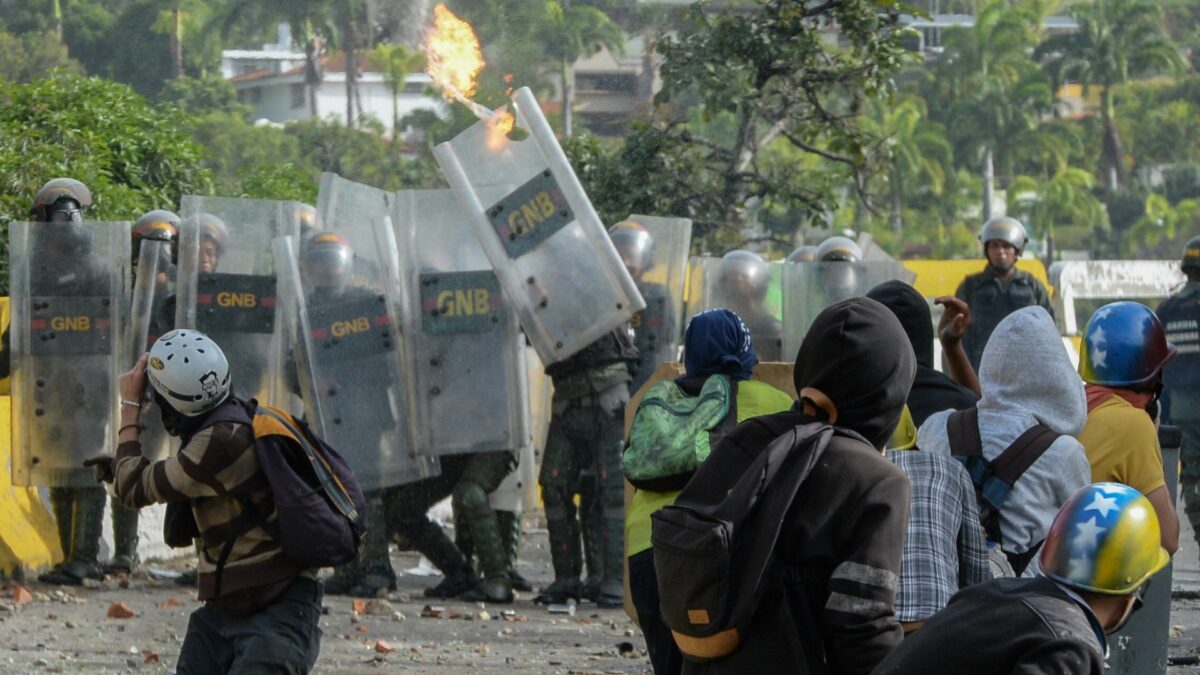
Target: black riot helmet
(635,246)
(61,200)
(839,249)
(156,225)
(744,275)
(802,254)
(326,261)
(1190,263)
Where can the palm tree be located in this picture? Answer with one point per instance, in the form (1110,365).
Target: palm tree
(1116,40)
(918,150)
(397,62)
(570,33)
(1065,198)
(998,90)
(312,27)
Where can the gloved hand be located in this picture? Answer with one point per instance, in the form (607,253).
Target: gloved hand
(102,468)
(612,400)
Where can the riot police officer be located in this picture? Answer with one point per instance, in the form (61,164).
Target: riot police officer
(1000,289)
(743,280)
(802,254)
(651,326)
(837,271)
(583,456)
(78,511)
(1180,315)
(156,225)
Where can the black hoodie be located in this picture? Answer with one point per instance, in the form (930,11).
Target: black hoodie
(932,391)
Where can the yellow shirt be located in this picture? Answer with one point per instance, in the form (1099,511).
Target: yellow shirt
(754,399)
(1122,446)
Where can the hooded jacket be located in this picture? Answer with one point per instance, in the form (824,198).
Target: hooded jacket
(1027,378)
(829,605)
(932,391)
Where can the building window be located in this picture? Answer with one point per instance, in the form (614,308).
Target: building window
(608,82)
(416,87)
(297,96)
(247,68)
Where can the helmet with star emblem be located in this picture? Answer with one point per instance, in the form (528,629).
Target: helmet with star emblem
(1124,345)
(1105,539)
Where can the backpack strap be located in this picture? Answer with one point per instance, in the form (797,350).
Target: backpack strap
(962,427)
(250,517)
(730,420)
(329,482)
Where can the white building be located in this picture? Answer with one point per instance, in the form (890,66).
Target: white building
(272,84)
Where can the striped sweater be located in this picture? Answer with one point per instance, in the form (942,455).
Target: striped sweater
(215,468)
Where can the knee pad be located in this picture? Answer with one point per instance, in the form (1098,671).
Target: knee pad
(469,496)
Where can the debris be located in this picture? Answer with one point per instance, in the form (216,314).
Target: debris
(120,610)
(567,608)
(479,616)
(92,584)
(507,631)
(1187,660)
(354,618)
(628,632)
(123,582)
(149,656)
(358,606)
(21,595)
(379,607)
(363,629)
(398,616)
(70,624)
(159,573)
(431,612)
(624,648)
(483,649)
(171,602)
(382,647)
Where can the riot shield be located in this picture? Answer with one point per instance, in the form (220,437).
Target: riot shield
(657,329)
(226,286)
(550,251)
(810,287)
(469,354)
(709,287)
(152,286)
(69,289)
(345,362)
(350,209)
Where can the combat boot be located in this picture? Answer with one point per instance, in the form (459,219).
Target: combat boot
(496,586)
(85,517)
(593,541)
(510,534)
(563,531)
(125,539)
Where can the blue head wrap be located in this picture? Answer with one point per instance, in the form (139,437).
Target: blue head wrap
(717,342)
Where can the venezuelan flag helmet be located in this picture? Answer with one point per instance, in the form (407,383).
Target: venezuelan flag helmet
(1124,345)
(1105,539)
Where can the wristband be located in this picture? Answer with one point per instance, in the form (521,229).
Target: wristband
(131,404)
(127,426)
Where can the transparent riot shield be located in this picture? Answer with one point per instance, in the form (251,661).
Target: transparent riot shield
(469,354)
(345,362)
(657,329)
(69,289)
(810,287)
(711,284)
(550,251)
(350,209)
(152,286)
(226,286)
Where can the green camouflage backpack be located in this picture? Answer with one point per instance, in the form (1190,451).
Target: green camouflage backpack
(672,432)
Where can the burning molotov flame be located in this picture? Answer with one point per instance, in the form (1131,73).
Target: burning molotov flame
(453,54)
(454,60)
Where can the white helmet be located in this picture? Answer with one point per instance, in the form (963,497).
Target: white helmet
(189,370)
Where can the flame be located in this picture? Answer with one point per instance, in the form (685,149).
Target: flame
(453,55)
(502,122)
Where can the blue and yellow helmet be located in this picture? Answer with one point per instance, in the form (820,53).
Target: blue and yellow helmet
(1105,539)
(1123,345)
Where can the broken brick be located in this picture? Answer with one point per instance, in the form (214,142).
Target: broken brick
(382,647)
(120,610)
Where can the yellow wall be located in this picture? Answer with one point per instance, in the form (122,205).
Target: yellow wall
(942,277)
(28,537)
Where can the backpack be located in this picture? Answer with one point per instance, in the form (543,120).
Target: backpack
(714,545)
(673,432)
(994,480)
(320,511)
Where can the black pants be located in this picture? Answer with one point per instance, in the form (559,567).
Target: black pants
(665,656)
(283,637)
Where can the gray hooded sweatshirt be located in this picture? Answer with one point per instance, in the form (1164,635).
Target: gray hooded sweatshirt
(1027,378)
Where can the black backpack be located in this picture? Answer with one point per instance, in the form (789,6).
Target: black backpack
(994,480)
(714,545)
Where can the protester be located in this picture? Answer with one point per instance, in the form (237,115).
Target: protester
(828,604)
(1121,359)
(1101,550)
(1028,383)
(932,391)
(261,610)
(716,343)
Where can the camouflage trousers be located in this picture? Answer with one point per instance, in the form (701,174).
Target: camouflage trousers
(583,456)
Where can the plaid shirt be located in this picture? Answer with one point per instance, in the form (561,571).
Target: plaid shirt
(945,548)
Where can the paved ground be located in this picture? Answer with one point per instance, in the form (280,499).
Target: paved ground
(67,631)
